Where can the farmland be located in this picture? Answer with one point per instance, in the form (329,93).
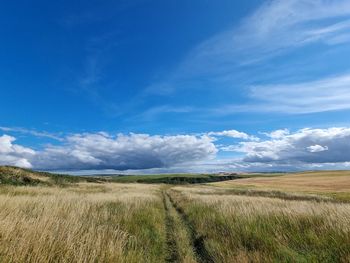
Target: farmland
(284,218)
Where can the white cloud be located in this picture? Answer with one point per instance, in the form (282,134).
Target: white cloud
(133,151)
(279,25)
(309,146)
(328,94)
(154,112)
(275,28)
(315,96)
(283,150)
(233,134)
(13,154)
(31,132)
(277,134)
(317,148)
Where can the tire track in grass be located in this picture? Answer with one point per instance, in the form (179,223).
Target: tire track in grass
(172,254)
(194,240)
(178,239)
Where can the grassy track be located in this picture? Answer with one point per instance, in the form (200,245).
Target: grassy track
(192,237)
(179,244)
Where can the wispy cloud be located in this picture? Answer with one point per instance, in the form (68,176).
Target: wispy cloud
(154,112)
(35,133)
(275,28)
(328,94)
(91,81)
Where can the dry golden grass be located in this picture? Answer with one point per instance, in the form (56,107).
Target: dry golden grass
(337,214)
(261,229)
(85,223)
(325,181)
(219,222)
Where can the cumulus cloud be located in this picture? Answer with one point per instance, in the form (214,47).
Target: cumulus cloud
(233,134)
(13,154)
(277,134)
(123,152)
(280,150)
(304,146)
(317,148)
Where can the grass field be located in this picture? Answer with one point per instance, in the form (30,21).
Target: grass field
(270,219)
(83,223)
(242,228)
(327,183)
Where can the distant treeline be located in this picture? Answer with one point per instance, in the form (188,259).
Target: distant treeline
(187,180)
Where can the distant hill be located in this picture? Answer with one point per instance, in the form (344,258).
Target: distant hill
(174,178)
(19,176)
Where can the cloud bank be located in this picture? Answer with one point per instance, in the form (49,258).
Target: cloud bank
(123,152)
(275,150)
(308,146)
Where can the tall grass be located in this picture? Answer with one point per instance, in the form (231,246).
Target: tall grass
(81,224)
(261,229)
(110,222)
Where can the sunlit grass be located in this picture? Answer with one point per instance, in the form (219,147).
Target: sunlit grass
(84,221)
(42,224)
(240,228)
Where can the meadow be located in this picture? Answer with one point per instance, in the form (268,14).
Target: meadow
(241,220)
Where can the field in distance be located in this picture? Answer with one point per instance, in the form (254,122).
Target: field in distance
(334,184)
(275,218)
(172,178)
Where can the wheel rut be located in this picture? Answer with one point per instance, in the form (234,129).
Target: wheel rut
(183,243)
(172,254)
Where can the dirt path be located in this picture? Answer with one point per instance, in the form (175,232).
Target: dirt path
(183,243)
(172,250)
(178,237)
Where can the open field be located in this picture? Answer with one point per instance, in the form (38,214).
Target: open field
(84,223)
(102,221)
(234,228)
(330,183)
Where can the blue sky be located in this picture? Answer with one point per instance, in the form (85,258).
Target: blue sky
(163,86)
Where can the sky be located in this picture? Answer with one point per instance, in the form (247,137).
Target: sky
(151,86)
